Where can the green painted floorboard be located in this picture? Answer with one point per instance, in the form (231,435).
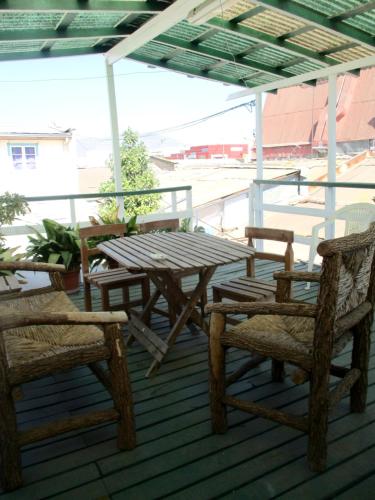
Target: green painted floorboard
(177,455)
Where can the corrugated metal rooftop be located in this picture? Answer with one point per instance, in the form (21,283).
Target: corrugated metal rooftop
(248,44)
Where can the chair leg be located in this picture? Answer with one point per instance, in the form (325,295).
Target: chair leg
(125,296)
(105,299)
(318,421)
(216,295)
(360,359)
(121,389)
(146,293)
(217,375)
(10,453)
(87,292)
(277,371)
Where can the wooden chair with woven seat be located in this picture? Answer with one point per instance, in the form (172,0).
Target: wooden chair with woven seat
(249,288)
(41,333)
(112,279)
(307,336)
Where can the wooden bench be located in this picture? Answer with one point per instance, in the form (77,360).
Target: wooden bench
(9,284)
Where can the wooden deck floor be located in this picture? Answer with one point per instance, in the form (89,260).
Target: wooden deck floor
(177,455)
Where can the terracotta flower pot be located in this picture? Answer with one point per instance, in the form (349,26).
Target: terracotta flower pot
(71,280)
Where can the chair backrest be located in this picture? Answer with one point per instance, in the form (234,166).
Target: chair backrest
(357,216)
(96,231)
(264,233)
(160,225)
(348,277)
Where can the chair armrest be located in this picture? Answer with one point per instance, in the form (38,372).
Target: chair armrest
(286,309)
(297,276)
(31,266)
(16,320)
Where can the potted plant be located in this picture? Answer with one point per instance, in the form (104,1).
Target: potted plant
(59,246)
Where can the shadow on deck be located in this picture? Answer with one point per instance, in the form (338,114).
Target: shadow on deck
(177,455)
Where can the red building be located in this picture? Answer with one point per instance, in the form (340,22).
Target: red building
(295,119)
(213,151)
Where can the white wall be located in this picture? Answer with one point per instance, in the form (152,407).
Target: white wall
(55,171)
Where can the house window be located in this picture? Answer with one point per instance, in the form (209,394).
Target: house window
(23,155)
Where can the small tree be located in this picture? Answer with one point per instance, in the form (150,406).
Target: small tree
(11,205)
(135,175)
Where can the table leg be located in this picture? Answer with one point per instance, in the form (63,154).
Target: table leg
(145,313)
(172,292)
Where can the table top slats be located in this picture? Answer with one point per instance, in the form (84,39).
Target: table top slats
(213,248)
(156,243)
(139,253)
(182,251)
(193,246)
(185,251)
(225,246)
(122,257)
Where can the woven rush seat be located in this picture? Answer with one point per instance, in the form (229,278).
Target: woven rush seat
(30,343)
(247,287)
(289,338)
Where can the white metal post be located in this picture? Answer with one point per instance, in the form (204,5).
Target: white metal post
(259,151)
(251,219)
(73,216)
(330,193)
(115,137)
(174,202)
(189,207)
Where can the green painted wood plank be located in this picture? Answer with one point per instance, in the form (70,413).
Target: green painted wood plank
(56,484)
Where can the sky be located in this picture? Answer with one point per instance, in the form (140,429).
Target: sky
(43,94)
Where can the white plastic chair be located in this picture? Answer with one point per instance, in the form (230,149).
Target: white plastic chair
(357,218)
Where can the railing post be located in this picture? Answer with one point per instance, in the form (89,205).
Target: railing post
(251,218)
(330,192)
(189,207)
(73,215)
(174,201)
(259,150)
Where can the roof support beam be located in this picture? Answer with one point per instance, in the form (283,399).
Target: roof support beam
(364,62)
(354,12)
(314,18)
(249,13)
(145,7)
(271,41)
(37,54)
(218,54)
(179,68)
(339,48)
(173,14)
(34,35)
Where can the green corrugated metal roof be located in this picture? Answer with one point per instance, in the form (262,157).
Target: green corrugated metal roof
(250,43)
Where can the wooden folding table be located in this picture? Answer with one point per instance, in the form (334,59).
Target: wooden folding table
(165,258)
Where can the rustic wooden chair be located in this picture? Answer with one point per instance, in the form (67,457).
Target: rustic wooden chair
(42,332)
(249,288)
(307,336)
(111,279)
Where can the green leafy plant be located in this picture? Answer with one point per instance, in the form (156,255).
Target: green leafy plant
(59,246)
(9,255)
(11,206)
(185,227)
(131,229)
(135,175)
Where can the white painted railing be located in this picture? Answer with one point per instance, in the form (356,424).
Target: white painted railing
(175,208)
(257,207)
